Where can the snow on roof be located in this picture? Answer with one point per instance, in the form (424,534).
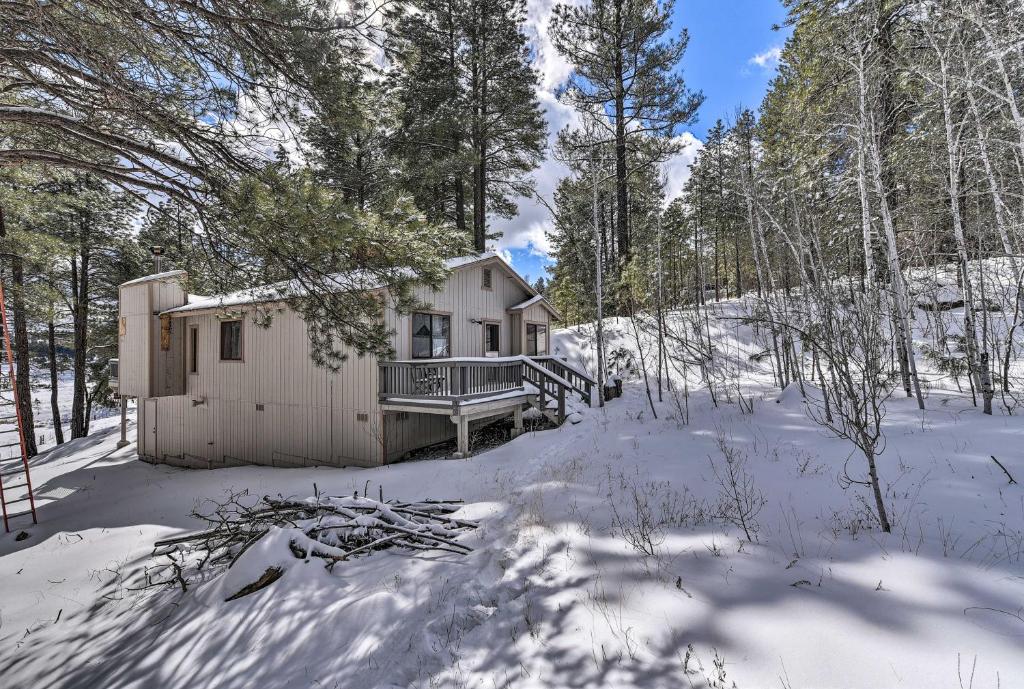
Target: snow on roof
(166,275)
(537,299)
(528,303)
(279,291)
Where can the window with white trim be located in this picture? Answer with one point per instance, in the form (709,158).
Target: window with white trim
(492,338)
(431,335)
(231,340)
(536,339)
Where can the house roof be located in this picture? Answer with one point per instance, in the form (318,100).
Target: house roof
(155,277)
(536,299)
(351,280)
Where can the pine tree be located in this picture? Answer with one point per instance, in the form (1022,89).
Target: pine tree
(625,77)
(469,126)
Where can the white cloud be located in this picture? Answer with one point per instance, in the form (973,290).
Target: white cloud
(506,255)
(767,60)
(527,230)
(677,168)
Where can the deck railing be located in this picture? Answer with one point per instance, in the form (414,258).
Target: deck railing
(581,382)
(449,379)
(460,380)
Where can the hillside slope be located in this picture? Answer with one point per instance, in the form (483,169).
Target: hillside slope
(606,557)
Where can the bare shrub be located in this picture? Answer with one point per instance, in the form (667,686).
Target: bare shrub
(740,501)
(643,509)
(636,523)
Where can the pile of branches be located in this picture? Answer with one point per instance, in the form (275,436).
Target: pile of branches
(333,529)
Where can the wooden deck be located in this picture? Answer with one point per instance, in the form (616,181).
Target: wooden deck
(474,388)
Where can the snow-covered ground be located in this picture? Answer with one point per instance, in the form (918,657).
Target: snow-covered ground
(601,560)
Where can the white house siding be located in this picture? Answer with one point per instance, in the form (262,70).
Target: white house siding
(309,416)
(532,314)
(133,341)
(517,335)
(465,299)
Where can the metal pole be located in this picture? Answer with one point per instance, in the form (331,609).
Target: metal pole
(124,423)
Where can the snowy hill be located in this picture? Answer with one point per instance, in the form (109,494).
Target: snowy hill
(609,554)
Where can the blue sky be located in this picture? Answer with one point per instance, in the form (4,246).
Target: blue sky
(730,58)
(730,55)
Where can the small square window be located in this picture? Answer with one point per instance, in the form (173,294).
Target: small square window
(488,279)
(231,340)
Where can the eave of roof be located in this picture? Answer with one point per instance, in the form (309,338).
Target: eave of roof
(537,299)
(155,277)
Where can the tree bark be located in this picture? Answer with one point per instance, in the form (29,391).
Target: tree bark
(21,350)
(80,318)
(58,427)
(621,174)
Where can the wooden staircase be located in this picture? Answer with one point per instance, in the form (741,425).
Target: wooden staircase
(553,379)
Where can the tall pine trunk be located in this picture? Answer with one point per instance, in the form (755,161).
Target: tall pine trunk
(80,318)
(21,350)
(621,173)
(51,341)
(480,77)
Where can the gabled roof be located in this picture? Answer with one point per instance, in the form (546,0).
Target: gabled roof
(279,291)
(536,299)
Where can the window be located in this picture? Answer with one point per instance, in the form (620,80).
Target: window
(193,350)
(492,337)
(487,279)
(430,335)
(231,340)
(536,339)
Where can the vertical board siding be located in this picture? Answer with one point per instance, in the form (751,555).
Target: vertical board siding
(309,415)
(133,345)
(465,299)
(412,431)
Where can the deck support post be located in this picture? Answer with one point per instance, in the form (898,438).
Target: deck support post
(517,416)
(462,424)
(123,442)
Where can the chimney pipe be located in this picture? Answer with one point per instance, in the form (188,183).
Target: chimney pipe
(158,252)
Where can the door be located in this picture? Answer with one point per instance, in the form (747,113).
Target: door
(149,437)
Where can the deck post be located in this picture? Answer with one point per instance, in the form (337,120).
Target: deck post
(123,442)
(462,424)
(517,416)
(561,404)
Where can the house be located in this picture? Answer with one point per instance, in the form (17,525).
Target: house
(214,388)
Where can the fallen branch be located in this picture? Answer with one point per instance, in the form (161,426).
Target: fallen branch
(333,529)
(1000,464)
